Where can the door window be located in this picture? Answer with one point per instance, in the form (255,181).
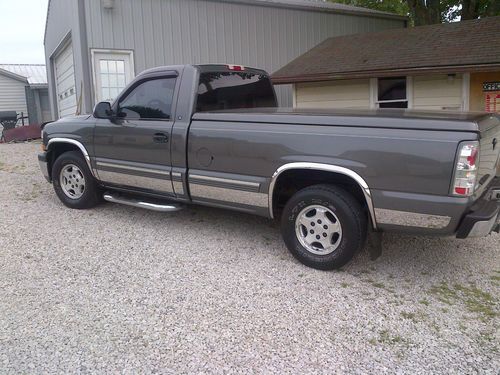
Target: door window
(151,99)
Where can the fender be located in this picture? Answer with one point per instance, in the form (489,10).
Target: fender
(77,144)
(326,168)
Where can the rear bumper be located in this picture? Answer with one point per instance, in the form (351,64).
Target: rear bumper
(484,217)
(44,167)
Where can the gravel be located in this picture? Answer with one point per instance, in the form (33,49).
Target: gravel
(119,289)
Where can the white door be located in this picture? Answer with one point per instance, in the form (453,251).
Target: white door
(112,72)
(65,82)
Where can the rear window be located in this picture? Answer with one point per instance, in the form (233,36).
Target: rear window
(233,90)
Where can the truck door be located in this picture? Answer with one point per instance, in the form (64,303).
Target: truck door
(132,150)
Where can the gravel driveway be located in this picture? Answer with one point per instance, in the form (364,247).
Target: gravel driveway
(119,289)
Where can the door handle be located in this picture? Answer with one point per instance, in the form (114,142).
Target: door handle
(160,138)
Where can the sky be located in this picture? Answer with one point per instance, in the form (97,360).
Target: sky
(22,25)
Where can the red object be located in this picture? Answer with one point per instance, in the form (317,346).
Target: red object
(472,159)
(237,68)
(22,133)
(461,190)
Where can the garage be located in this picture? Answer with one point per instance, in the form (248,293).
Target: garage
(65,82)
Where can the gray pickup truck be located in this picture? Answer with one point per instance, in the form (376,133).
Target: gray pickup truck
(213,135)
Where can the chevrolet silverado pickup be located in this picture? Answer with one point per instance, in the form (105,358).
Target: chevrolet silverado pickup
(213,135)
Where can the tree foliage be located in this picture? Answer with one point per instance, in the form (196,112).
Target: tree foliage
(426,12)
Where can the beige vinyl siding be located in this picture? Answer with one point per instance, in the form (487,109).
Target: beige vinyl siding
(333,94)
(437,92)
(12,95)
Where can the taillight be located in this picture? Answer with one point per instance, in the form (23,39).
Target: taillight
(237,68)
(466,169)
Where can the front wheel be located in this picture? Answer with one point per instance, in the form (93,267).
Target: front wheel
(73,182)
(323,226)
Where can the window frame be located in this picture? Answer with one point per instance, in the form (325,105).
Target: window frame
(375,102)
(94,52)
(128,90)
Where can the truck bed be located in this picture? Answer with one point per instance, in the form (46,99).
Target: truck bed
(379,118)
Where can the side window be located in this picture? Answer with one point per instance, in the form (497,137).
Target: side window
(151,99)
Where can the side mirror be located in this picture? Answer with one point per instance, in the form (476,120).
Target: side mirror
(103,110)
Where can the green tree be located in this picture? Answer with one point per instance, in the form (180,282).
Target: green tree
(426,12)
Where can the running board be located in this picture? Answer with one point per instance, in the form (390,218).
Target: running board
(141,203)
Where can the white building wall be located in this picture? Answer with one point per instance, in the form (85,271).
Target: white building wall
(12,95)
(437,92)
(428,92)
(334,94)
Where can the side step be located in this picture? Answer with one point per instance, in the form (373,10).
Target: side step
(142,203)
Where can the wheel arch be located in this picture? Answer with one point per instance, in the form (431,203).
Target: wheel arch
(329,170)
(57,146)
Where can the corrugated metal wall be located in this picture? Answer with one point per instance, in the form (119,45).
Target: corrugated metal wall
(165,32)
(12,95)
(63,25)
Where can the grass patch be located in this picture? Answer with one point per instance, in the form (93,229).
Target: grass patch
(475,300)
(424,302)
(344,285)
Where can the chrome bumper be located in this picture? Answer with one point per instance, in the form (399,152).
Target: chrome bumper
(42,161)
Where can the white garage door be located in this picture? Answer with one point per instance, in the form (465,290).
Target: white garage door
(65,82)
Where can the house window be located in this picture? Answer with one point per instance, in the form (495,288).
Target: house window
(113,70)
(113,78)
(392,92)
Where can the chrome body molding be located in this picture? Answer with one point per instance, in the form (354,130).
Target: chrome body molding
(222,194)
(411,219)
(77,144)
(209,180)
(327,168)
(163,185)
(177,183)
(160,207)
(132,168)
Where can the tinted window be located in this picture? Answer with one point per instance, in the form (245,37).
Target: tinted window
(149,100)
(232,90)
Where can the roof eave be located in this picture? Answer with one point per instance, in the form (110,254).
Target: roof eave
(361,12)
(12,75)
(385,73)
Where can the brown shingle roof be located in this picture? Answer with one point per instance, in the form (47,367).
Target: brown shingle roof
(460,46)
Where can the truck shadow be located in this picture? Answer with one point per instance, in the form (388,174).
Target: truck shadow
(403,257)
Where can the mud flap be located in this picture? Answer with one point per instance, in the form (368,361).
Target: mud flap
(375,244)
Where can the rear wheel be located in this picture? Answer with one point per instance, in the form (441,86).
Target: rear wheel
(323,226)
(73,182)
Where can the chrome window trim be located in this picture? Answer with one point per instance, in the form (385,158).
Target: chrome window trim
(79,145)
(327,168)
(411,219)
(132,168)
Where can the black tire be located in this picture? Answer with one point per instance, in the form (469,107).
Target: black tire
(348,211)
(92,194)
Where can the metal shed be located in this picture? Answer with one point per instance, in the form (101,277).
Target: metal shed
(94,48)
(23,89)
